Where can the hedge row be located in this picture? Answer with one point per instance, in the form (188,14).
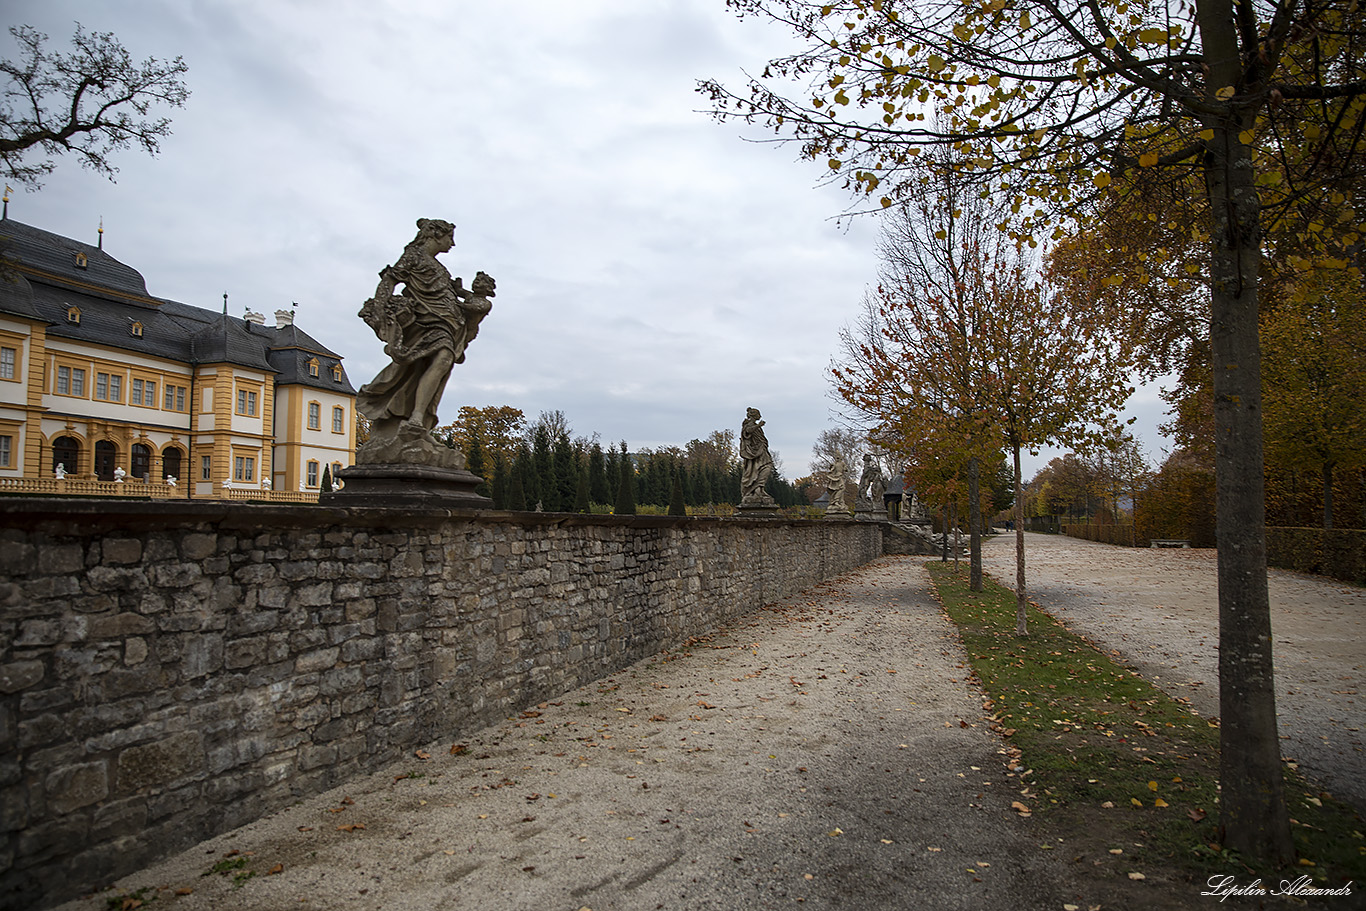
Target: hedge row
(1339,553)
(1123,535)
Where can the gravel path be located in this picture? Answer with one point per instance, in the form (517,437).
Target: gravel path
(1158,608)
(827,752)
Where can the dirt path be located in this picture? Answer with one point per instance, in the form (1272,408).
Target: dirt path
(1159,610)
(827,752)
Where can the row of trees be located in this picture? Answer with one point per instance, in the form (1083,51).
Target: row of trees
(543,464)
(1201,128)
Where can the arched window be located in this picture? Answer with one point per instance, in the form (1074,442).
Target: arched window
(170,463)
(65,452)
(141,461)
(106,453)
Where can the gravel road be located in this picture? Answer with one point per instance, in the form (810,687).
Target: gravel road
(1159,609)
(825,752)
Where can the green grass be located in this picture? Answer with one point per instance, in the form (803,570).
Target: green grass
(1091,732)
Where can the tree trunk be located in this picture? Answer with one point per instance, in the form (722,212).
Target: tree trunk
(944,552)
(974,525)
(1021,628)
(1327,496)
(1252,812)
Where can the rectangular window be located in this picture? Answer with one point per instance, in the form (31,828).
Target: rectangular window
(338,419)
(115,386)
(246,403)
(102,386)
(175,398)
(244,468)
(137,393)
(63,380)
(314,415)
(149,397)
(205,468)
(312,474)
(8,358)
(6,448)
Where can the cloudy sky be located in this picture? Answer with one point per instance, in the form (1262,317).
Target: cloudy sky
(657,272)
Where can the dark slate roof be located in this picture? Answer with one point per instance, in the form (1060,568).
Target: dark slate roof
(113,296)
(55,256)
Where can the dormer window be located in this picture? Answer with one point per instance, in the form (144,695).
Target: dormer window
(313,367)
(136,329)
(336,373)
(82,261)
(73,315)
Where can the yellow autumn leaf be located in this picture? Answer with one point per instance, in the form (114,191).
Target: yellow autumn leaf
(1024,20)
(1159,802)
(1135,801)
(1147,159)
(935,63)
(1152,786)
(1101,180)
(1207,135)
(1225,93)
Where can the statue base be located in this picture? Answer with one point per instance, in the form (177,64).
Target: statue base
(757,510)
(839,515)
(407,486)
(865,512)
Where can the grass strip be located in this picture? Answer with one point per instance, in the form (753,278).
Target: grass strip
(1112,759)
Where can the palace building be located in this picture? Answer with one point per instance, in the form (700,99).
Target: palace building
(103,382)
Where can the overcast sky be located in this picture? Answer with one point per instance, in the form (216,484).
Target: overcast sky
(657,273)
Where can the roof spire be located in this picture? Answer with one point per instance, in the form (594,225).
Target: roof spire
(8,191)
(101,232)
(225,303)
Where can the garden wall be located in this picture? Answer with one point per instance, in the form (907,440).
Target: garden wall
(172,670)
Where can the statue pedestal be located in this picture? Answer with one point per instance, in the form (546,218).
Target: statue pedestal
(757,510)
(865,512)
(407,486)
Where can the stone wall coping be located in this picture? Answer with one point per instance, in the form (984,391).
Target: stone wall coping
(53,516)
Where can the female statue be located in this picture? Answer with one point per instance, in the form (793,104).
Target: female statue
(425,328)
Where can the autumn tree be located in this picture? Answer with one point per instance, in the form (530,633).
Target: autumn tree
(1315,378)
(87,103)
(1048,99)
(498,427)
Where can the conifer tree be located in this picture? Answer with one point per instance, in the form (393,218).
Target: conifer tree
(326,485)
(626,485)
(598,491)
(581,493)
(547,492)
(516,499)
(500,481)
(676,505)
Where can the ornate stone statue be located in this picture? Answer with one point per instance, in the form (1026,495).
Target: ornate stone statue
(60,471)
(425,329)
(756,462)
(871,486)
(119,475)
(834,487)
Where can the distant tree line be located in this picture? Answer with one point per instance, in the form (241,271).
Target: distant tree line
(542,463)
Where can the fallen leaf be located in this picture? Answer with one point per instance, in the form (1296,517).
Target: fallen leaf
(449,851)
(305,828)
(1116,850)
(1152,786)
(1196,815)
(458,748)
(835,833)
(1159,802)
(351,828)
(422,754)
(185,891)
(1137,876)
(1135,801)
(1016,805)
(1306,862)
(1108,805)
(278,868)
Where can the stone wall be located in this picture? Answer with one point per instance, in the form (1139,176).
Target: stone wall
(169,671)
